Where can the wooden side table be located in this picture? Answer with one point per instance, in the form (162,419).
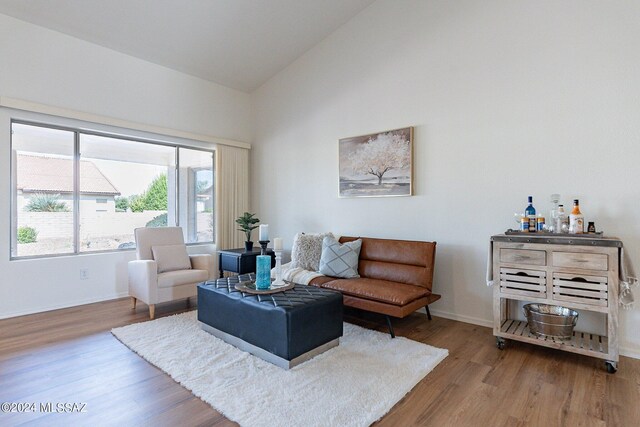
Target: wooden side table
(241,262)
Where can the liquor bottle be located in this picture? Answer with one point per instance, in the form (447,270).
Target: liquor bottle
(562,221)
(576,219)
(530,212)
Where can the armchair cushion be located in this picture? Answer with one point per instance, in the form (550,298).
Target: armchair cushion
(171,258)
(182,277)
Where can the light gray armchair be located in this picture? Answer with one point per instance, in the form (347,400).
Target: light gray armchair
(163,270)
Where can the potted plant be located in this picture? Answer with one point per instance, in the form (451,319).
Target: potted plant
(247,223)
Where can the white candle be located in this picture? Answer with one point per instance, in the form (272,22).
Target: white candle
(277,243)
(263,234)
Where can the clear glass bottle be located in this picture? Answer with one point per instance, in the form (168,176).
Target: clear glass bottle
(576,219)
(552,220)
(530,212)
(562,220)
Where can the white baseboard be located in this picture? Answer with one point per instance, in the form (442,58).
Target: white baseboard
(630,352)
(74,303)
(462,318)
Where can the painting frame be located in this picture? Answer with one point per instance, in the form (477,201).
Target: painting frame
(378,164)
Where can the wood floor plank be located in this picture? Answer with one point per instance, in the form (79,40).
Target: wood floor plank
(70,356)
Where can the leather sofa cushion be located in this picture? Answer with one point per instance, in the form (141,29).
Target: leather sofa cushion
(378,290)
(395,251)
(401,273)
(401,261)
(182,277)
(320,280)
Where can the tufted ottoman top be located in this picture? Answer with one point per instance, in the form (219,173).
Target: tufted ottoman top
(299,296)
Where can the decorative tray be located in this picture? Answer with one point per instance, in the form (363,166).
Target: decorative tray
(511,232)
(249,287)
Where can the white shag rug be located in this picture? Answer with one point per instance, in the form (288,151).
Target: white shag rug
(353,384)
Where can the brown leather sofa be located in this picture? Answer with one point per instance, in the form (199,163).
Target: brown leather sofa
(396,277)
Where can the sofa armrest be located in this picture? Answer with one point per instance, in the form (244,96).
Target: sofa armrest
(202,262)
(143,280)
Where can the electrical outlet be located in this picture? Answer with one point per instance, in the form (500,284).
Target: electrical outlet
(84,273)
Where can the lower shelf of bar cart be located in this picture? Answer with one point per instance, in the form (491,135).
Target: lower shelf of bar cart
(581,342)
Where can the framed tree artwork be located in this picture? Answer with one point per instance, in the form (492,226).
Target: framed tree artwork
(377,165)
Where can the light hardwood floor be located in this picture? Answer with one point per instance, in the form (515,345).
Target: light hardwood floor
(70,356)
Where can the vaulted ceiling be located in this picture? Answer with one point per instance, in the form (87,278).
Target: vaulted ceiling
(237,43)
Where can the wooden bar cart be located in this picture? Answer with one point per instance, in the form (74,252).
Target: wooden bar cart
(578,272)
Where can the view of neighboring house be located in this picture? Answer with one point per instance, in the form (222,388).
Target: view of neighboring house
(54,175)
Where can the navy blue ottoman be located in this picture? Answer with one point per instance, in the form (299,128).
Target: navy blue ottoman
(285,328)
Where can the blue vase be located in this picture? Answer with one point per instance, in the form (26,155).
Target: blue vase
(263,272)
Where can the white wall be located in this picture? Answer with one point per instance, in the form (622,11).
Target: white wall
(50,68)
(508,99)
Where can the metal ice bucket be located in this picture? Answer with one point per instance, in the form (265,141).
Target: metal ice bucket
(550,320)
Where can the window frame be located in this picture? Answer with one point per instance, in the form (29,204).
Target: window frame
(213,169)
(77,131)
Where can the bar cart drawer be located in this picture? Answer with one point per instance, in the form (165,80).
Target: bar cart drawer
(523,256)
(587,261)
(582,289)
(522,282)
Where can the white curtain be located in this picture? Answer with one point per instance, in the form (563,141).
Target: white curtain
(232,194)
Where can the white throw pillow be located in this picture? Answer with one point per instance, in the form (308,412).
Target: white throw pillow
(307,250)
(171,257)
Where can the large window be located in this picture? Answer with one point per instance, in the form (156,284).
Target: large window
(76,191)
